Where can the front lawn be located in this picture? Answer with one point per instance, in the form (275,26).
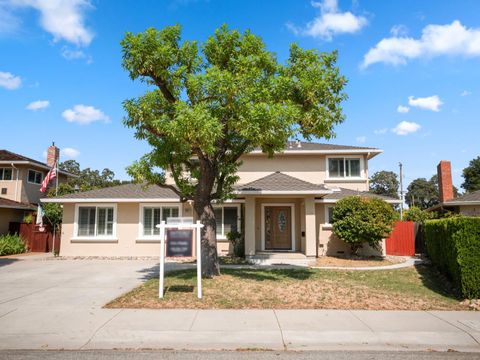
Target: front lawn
(420,288)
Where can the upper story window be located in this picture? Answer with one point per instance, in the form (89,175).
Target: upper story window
(95,221)
(227,218)
(5,174)
(35,177)
(340,167)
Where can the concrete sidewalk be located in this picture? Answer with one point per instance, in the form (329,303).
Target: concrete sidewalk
(58,305)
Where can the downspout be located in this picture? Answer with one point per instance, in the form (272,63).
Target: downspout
(16,182)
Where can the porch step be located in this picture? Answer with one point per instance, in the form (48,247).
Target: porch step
(279,258)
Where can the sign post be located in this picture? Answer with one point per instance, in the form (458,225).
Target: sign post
(179,245)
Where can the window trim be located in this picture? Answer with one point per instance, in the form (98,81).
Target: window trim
(95,238)
(345,178)
(326,224)
(223,236)
(36,171)
(3,168)
(155,238)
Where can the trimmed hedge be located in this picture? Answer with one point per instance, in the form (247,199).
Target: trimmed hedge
(453,245)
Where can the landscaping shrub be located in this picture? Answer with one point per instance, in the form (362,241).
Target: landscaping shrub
(453,245)
(11,244)
(238,243)
(416,214)
(359,220)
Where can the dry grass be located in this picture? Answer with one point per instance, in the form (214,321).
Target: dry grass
(343,261)
(420,288)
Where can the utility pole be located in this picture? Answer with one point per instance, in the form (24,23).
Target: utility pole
(401,190)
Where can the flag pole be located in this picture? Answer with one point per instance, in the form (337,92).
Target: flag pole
(57,158)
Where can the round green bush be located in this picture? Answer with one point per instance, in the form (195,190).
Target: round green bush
(361,220)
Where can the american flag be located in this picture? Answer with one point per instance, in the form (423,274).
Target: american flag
(50,176)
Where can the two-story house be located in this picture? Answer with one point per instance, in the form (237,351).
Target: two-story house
(20,182)
(283,206)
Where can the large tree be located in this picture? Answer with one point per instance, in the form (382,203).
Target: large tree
(471,175)
(422,193)
(208,104)
(385,183)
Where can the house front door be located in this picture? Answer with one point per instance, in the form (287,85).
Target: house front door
(278,228)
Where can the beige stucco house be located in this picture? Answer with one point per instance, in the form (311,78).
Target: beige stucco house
(20,182)
(283,206)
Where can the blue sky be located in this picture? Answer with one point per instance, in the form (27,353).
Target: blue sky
(413,70)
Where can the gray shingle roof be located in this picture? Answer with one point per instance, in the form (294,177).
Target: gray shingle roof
(126,191)
(10,204)
(312,146)
(473,196)
(280,182)
(337,195)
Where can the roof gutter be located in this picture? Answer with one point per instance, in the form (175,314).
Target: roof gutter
(45,167)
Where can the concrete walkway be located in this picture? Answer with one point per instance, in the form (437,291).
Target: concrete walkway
(409,261)
(48,304)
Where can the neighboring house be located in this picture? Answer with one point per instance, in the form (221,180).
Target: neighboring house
(468,204)
(283,206)
(20,182)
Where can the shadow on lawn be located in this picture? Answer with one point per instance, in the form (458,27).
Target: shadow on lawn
(437,282)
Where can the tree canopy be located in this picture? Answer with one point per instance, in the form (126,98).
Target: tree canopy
(385,183)
(471,175)
(422,193)
(208,104)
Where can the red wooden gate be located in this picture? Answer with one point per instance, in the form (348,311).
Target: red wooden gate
(402,239)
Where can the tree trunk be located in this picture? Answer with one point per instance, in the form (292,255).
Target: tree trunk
(206,215)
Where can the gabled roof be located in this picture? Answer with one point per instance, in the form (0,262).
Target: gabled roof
(279,183)
(303,147)
(341,193)
(8,157)
(472,198)
(120,193)
(10,204)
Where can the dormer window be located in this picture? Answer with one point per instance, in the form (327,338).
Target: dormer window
(344,167)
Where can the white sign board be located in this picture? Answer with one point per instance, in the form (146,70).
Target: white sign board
(180,224)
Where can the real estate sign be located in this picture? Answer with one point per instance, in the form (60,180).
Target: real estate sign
(179,243)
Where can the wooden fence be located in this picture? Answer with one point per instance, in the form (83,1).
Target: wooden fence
(402,239)
(35,239)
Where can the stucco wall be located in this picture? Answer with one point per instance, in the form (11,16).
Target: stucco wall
(127,241)
(470,210)
(7,216)
(311,168)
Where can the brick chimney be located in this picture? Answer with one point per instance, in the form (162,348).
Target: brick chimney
(52,154)
(445,187)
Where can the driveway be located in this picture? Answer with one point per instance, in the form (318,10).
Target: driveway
(42,300)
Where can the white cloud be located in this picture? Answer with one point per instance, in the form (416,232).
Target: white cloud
(330,22)
(465,93)
(361,139)
(84,114)
(38,105)
(406,127)
(403,109)
(69,153)
(436,40)
(399,30)
(380,131)
(75,54)
(64,19)
(432,103)
(9,81)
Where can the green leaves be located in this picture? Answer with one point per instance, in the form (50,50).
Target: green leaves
(358,220)
(217,104)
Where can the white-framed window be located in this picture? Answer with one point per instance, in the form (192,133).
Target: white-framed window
(344,167)
(35,177)
(95,221)
(6,174)
(152,214)
(227,218)
(329,214)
